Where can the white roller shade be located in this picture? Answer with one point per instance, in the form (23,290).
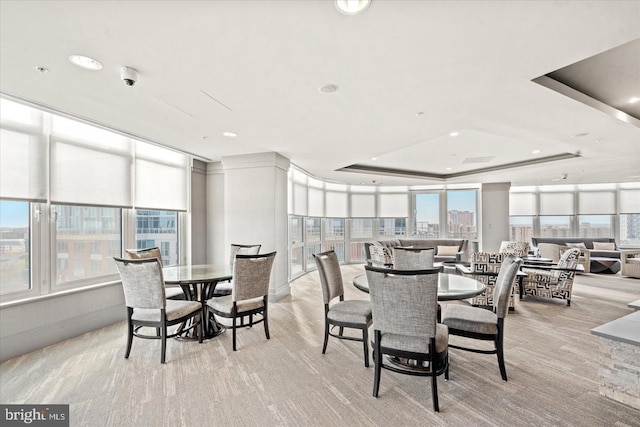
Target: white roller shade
(161,178)
(522,204)
(299,199)
(629,201)
(316,202)
(23,166)
(336,206)
(556,204)
(394,206)
(596,202)
(363,205)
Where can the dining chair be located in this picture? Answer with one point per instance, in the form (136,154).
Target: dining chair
(552,281)
(224,288)
(405,258)
(405,305)
(485,267)
(354,314)
(481,323)
(147,305)
(249,293)
(171,292)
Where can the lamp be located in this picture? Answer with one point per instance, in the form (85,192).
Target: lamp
(352,7)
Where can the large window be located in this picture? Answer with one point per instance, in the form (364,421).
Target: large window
(555,226)
(158,228)
(461,214)
(595,226)
(426,217)
(392,227)
(630,229)
(521,228)
(15,272)
(86,238)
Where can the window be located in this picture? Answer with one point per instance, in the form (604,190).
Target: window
(334,228)
(392,227)
(15,233)
(296,236)
(85,244)
(426,218)
(361,228)
(313,230)
(555,226)
(595,226)
(158,228)
(630,229)
(521,228)
(461,214)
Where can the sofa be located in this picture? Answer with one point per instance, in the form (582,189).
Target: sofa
(594,259)
(446,250)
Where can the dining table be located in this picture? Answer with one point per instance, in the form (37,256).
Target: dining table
(198,283)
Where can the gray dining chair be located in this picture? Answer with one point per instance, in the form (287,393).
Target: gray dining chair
(147,305)
(405,258)
(405,306)
(354,314)
(249,293)
(224,288)
(171,292)
(481,323)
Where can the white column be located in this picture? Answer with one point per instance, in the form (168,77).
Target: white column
(255,209)
(494,215)
(215,214)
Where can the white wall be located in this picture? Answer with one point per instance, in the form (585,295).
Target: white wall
(215,214)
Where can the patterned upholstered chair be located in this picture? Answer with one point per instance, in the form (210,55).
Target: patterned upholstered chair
(630,260)
(171,292)
(519,249)
(224,288)
(553,281)
(412,258)
(381,256)
(147,305)
(354,314)
(249,294)
(478,323)
(405,305)
(485,267)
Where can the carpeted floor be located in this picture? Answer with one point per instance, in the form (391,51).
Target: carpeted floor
(551,357)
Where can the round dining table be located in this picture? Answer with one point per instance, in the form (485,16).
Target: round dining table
(450,286)
(198,283)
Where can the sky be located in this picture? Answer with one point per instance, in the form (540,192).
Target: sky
(427,206)
(14,214)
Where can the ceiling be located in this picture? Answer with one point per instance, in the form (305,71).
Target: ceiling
(409,73)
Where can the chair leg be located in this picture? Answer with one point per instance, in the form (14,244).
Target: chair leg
(129,338)
(365,339)
(434,387)
(201,327)
(265,320)
(326,335)
(233,328)
(377,359)
(251,320)
(499,352)
(340,331)
(164,344)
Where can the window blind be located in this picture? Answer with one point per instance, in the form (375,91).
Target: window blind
(556,204)
(394,206)
(363,205)
(522,204)
(336,206)
(596,202)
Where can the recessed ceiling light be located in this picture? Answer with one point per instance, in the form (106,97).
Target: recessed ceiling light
(448,169)
(352,7)
(454,134)
(330,88)
(229,134)
(42,69)
(85,62)
(374,158)
(633,100)
(535,151)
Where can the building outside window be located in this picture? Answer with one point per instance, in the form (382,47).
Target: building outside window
(426,218)
(155,228)
(15,265)
(461,214)
(595,226)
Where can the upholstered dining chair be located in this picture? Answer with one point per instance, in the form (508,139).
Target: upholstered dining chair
(482,324)
(412,258)
(516,248)
(552,281)
(485,267)
(405,305)
(147,305)
(355,314)
(249,293)
(224,288)
(171,292)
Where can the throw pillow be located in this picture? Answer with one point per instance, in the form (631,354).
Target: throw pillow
(579,245)
(599,246)
(447,250)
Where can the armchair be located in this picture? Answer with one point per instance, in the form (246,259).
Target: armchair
(630,260)
(519,249)
(552,281)
(485,267)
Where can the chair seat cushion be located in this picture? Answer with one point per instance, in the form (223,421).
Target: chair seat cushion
(417,344)
(225,304)
(173,291)
(351,311)
(175,309)
(471,319)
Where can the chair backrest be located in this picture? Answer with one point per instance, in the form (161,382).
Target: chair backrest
(486,262)
(412,258)
(251,276)
(242,250)
(142,282)
(145,253)
(404,302)
(330,275)
(519,249)
(504,283)
(569,258)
